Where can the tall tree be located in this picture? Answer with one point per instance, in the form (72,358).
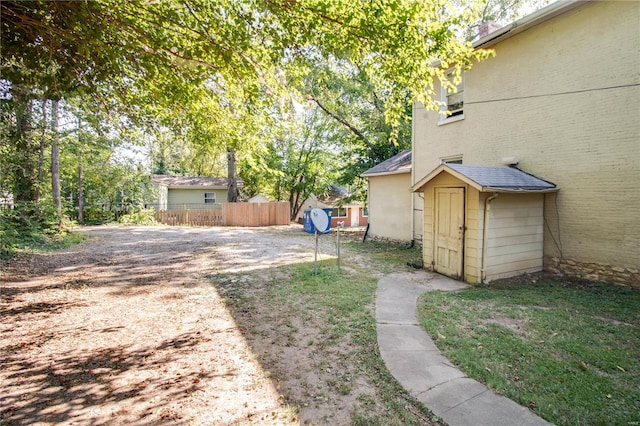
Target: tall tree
(232,192)
(55,161)
(214,70)
(298,160)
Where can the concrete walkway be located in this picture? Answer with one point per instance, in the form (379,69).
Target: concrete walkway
(413,359)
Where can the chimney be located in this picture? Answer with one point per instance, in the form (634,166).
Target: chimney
(486,28)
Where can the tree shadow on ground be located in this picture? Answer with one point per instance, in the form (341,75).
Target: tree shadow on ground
(55,389)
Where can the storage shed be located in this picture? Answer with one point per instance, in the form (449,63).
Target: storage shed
(483,222)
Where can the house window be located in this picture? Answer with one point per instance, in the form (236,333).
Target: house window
(452,159)
(209,197)
(339,212)
(365,212)
(452,98)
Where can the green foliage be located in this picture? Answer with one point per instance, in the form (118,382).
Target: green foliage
(295,163)
(28,225)
(139,217)
(564,349)
(217,74)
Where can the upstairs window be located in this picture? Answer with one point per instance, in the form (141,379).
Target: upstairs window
(452,98)
(209,197)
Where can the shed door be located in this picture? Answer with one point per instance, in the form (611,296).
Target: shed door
(449,231)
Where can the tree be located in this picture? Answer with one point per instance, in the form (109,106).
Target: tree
(357,113)
(298,160)
(213,71)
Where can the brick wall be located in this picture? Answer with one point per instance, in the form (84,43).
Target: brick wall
(563,98)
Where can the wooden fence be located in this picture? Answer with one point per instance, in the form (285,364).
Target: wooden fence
(231,214)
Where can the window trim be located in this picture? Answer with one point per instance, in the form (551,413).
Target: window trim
(445,118)
(454,159)
(346,213)
(208,200)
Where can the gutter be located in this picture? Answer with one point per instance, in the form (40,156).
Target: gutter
(496,190)
(528,21)
(393,172)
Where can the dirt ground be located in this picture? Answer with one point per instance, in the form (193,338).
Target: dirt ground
(127,328)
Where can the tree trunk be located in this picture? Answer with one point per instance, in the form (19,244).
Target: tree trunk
(55,162)
(25,152)
(232,195)
(43,145)
(80,195)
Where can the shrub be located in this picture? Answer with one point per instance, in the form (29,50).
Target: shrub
(139,217)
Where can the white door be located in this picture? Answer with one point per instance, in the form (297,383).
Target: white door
(355,216)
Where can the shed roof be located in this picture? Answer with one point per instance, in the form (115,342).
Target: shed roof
(399,163)
(490,178)
(192,181)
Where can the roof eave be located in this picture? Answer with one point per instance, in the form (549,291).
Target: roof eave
(394,172)
(518,191)
(417,187)
(196,187)
(542,15)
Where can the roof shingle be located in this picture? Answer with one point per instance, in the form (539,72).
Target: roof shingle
(501,177)
(399,163)
(192,181)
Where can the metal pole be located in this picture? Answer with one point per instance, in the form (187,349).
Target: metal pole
(315,258)
(338,238)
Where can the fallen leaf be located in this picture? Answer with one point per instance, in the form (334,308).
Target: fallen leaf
(620,368)
(488,369)
(582,365)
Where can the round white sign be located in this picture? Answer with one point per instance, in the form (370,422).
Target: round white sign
(320,219)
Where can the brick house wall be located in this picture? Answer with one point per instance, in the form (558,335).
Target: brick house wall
(562,97)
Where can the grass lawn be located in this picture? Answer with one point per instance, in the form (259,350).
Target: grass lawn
(567,350)
(339,305)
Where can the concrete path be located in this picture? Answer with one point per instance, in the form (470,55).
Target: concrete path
(413,359)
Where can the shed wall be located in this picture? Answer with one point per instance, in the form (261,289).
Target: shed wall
(390,206)
(515,237)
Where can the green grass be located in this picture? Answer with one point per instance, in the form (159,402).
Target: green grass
(339,303)
(36,241)
(567,350)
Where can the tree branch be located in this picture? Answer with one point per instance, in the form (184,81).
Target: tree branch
(344,122)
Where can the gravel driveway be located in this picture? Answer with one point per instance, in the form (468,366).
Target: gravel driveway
(125,328)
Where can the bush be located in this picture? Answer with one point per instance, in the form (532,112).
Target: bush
(27,225)
(139,217)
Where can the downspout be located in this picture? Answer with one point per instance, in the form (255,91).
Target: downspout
(412,175)
(485,235)
(413,213)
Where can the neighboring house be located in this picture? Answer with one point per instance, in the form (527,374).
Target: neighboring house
(561,101)
(258,198)
(190,193)
(395,213)
(347,213)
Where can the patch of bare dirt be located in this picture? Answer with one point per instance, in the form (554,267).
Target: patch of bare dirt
(127,328)
(515,325)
